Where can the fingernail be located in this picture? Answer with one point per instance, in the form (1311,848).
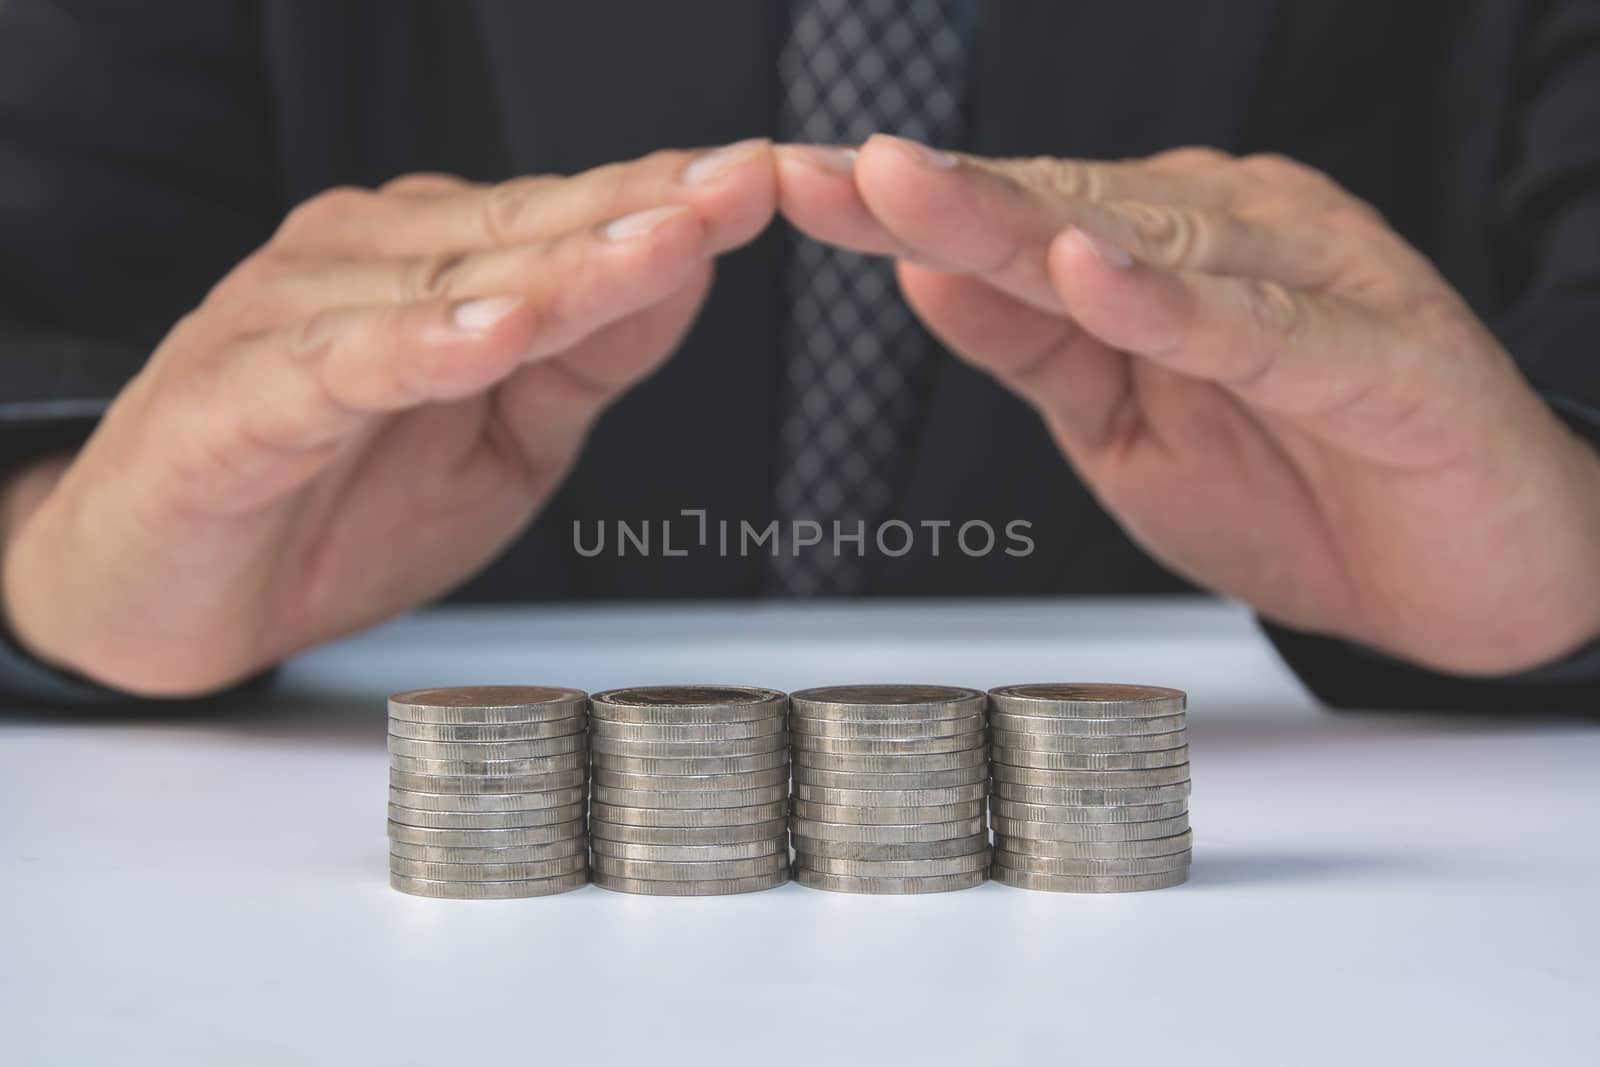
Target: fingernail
(714,164)
(640,223)
(1110,254)
(478,316)
(922,154)
(831,158)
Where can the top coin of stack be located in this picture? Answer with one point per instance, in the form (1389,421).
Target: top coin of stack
(486,791)
(890,782)
(690,789)
(1091,787)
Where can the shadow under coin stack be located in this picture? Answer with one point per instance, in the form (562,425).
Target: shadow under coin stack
(486,792)
(690,790)
(890,782)
(1091,787)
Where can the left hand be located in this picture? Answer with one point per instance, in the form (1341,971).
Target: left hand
(1273,392)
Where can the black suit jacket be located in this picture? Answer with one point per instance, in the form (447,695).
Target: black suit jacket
(144,149)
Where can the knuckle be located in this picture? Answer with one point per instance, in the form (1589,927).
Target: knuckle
(1357,216)
(1279,169)
(1275,310)
(422,183)
(1192,157)
(1174,238)
(430,277)
(607,185)
(311,337)
(328,206)
(1271,165)
(505,207)
(1064,178)
(246,278)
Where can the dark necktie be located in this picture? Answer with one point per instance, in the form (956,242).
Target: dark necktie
(851,349)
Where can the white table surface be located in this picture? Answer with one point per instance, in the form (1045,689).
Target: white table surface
(1366,889)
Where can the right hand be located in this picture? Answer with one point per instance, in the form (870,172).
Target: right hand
(363,413)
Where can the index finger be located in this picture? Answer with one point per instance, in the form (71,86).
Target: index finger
(966,214)
(732,189)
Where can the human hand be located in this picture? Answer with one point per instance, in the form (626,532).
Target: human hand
(1273,392)
(362,413)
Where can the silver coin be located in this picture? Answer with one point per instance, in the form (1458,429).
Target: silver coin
(1135,795)
(524,887)
(565,767)
(859,702)
(627,815)
(840,746)
(541,763)
(532,788)
(692,750)
(1088,700)
(761,761)
(479,733)
(557,772)
(487,704)
(691,799)
(903,780)
(1090,832)
(843,883)
(894,815)
(486,872)
(800,726)
(1092,746)
(872,850)
(721,834)
(716,888)
(1097,850)
(509,854)
(493,751)
(714,731)
(963,864)
(743,850)
(1039,725)
(688,704)
(885,834)
(1084,813)
(1091,761)
(482,784)
(704,871)
(1068,883)
(1016,861)
(894,764)
(477,803)
(507,837)
(604,775)
(1035,776)
(954,794)
(486,820)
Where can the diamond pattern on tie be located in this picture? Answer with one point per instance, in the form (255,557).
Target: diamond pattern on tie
(851,349)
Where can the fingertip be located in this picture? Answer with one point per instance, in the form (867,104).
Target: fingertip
(882,168)
(810,176)
(836,162)
(663,236)
(491,329)
(478,316)
(734,191)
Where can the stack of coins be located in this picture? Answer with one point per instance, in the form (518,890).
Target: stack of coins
(486,792)
(1091,787)
(889,784)
(691,784)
